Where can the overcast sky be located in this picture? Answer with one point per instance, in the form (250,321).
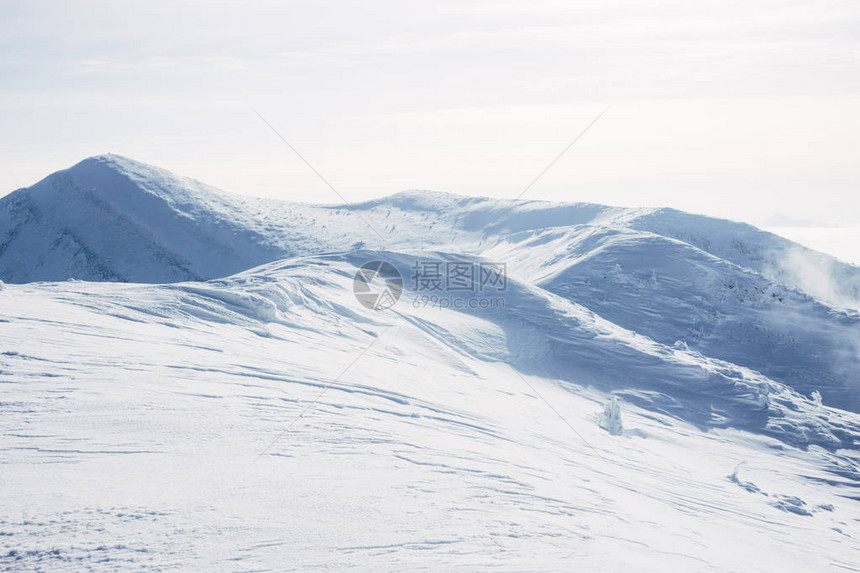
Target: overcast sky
(747,110)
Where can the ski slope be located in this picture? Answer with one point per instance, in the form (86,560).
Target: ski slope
(264,420)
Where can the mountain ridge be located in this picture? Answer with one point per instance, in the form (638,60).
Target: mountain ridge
(258,219)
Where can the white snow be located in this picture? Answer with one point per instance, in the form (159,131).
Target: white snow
(266,420)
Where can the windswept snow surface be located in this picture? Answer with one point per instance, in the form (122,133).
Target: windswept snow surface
(266,420)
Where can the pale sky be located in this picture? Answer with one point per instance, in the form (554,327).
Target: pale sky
(745,110)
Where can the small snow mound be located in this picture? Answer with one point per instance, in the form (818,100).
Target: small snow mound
(611,418)
(680,345)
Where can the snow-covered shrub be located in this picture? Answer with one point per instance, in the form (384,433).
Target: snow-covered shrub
(611,418)
(762,396)
(816,397)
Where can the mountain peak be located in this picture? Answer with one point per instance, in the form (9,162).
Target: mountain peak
(114,162)
(112,218)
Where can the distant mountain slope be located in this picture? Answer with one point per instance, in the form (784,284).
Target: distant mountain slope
(793,265)
(108,218)
(671,292)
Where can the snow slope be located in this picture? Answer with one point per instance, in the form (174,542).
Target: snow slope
(672,291)
(208,435)
(265,420)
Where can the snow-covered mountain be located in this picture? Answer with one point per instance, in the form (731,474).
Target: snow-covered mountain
(112,218)
(109,218)
(722,288)
(264,419)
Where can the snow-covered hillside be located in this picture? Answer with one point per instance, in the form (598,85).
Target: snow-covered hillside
(646,395)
